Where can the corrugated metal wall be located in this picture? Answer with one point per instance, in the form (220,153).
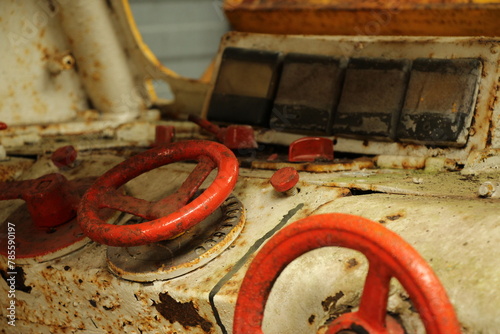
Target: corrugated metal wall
(184,34)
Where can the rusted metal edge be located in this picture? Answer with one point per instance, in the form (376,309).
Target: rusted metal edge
(371,18)
(233,5)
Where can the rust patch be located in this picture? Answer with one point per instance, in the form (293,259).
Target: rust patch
(10,170)
(110,308)
(351,263)
(334,311)
(317,167)
(19,282)
(310,211)
(392,217)
(311,319)
(330,302)
(185,314)
(395,217)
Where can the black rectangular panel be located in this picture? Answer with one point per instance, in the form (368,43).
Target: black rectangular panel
(308,91)
(440,101)
(372,98)
(245,87)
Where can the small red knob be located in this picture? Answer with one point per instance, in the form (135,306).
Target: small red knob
(285,179)
(164,135)
(3,126)
(64,156)
(238,137)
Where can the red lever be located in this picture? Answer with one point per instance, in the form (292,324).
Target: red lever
(234,136)
(205,124)
(388,254)
(51,199)
(170,216)
(3,126)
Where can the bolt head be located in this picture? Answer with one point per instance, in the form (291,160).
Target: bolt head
(486,189)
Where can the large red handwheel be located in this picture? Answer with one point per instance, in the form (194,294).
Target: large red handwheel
(170,216)
(388,255)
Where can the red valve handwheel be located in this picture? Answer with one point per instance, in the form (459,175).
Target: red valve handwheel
(168,217)
(388,254)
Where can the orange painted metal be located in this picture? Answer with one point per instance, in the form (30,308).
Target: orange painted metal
(388,255)
(168,217)
(366,17)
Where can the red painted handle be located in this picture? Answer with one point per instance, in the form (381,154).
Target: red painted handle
(388,254)
(170,216)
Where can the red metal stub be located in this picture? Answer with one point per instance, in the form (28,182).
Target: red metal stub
(311,149)
(234,136)
(284,179)
(388,254)
(168,217)
(239,137)
(64,156)
(3,126)
(45,227)
(164,134)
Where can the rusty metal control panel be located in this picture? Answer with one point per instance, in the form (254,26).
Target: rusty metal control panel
(317,184)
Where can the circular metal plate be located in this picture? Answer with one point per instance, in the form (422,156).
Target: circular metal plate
(32,242)
(191,250)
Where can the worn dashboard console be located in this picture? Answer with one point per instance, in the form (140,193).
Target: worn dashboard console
(372,95)
(386,145)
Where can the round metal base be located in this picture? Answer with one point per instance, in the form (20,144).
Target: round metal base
(20,236)
(172,258)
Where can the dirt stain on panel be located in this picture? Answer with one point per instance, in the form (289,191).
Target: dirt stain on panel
(351,263)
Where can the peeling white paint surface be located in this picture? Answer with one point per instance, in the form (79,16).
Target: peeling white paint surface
(77,293)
